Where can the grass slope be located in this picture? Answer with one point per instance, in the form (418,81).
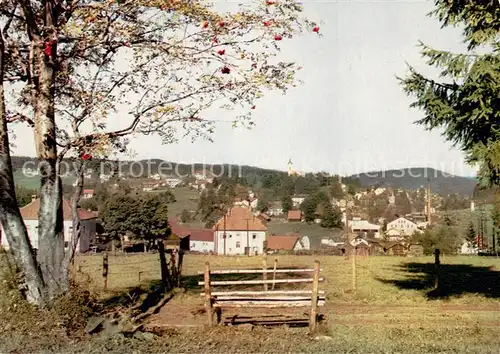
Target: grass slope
(415,178)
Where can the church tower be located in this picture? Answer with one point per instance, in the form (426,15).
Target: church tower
(290,169)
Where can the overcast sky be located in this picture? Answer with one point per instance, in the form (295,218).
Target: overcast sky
(350,115)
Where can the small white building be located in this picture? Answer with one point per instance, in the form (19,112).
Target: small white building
(88,226)
(331,243)
(237,230)
(405,226)
(297,201)
(88,193)
(173,182)
(201,240)
(468,248)
(363,226)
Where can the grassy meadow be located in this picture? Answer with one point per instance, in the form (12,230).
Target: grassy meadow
(394,307)
(379,280)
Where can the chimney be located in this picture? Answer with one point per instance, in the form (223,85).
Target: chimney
(33,198)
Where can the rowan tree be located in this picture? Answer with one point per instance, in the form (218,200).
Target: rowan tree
(465,99)
(166,62)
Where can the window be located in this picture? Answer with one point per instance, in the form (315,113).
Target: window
(66,244)
(254,236)
(230,236)
(237,244)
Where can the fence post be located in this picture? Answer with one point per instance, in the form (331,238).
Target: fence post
(208,295)
(105,267)
(314,298)
(437,262)
(179,267)
(264,263)
(274,271)
(354,268)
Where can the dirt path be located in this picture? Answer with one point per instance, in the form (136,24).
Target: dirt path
(189,312)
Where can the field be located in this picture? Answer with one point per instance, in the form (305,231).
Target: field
(393,308)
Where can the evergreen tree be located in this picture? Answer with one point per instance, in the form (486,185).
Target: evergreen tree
(287,204)
(331,218)
(464,101)
(471,235)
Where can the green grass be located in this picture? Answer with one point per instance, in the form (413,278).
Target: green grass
(380,280)
(185,199)
(390,311)
(33,182)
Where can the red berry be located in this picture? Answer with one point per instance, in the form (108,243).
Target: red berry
(267,23)
(253,107)
(204,24)
(278,37)
(48,48)
(221,52)
(268,2)
(86,156)
(222,24)
(215,40)
(126,44)
(226,70)
(316,29)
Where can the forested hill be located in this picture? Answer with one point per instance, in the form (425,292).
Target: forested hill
(415,178)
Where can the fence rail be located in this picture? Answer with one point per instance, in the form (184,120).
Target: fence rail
(263,299)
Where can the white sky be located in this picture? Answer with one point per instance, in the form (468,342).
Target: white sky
(350,115)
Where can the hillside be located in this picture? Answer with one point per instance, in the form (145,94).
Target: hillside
(415,178)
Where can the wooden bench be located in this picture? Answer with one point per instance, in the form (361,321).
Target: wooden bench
(217,300)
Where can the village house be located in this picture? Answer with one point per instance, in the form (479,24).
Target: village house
(294,216)
(173,182)
(468,248)
(149,186)
(239,232)
(363,226)
(89,225)
(193,239)
(292,242)
(88,193)
(402,225)
(297,201)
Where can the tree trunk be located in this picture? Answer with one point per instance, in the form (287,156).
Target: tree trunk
(75,236)
(10,216)
(50,218)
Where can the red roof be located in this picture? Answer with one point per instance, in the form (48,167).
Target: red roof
(282,242)
(193,233)
(88,191)
(30,211)
(201,235)
(294,215)
(240,219)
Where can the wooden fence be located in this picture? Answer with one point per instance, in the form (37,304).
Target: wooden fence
(217,300)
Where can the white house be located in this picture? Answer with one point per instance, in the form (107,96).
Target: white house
(173,182)
(201,240)
(331,243)
(274,211)
(297,201)
(363,226)
(87,193)
(30,217)
(379,191)
(405,226)
(468,248)
(237,230)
